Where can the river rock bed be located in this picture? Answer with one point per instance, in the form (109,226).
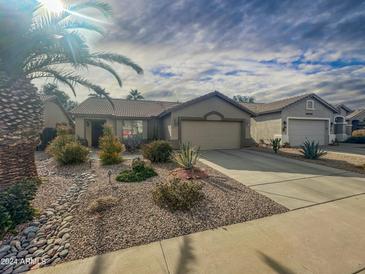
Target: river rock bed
(45,241)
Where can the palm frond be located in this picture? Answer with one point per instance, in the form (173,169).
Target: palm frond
(117,58)
(101,7)
(106,67)
(82,26)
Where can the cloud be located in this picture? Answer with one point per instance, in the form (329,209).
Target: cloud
(267,49)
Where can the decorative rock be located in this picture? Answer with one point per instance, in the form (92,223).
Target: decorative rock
(68,218)
(57,260)
(48,247)
(41,243)
(29,229)
(21,269)
(2,254)
(63,232)
(22,254)
(67,245)
(16,244)
(38,253)
(32,249)
(31,235)
(8,270)
(5,248)
(65,237)
(63,253)
(58,241)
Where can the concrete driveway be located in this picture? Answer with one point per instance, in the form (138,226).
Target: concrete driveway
(347,148)
(292,183)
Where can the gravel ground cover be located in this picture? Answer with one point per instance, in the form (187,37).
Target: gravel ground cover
(331,159)
(66,230)
(136,220)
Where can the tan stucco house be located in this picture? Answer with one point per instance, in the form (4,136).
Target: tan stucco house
(211,121)
(294,120)
(54,113)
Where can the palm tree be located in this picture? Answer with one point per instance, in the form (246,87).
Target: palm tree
(38,44)
(244,99)
(134,94)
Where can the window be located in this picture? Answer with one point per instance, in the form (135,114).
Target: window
(310,105)
(132,128)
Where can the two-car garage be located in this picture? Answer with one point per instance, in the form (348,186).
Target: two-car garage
(212,134)
(301,130)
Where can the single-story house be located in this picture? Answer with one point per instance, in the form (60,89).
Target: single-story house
(54,113)
(294,120)
(211,121)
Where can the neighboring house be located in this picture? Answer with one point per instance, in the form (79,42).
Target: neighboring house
(356,119)
(294,120)
(342,127)
(54,113)
(212,121)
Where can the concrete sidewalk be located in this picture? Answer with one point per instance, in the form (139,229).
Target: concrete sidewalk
(327,238)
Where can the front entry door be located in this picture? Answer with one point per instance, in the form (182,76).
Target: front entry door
(96,132)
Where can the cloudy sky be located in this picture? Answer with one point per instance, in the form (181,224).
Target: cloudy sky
(266,49)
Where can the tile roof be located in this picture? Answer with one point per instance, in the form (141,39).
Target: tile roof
(122,107)
(354,113)
(260,108)
(277,106)
(204,97)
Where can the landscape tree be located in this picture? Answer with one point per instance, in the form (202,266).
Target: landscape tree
(134,94)
(36,42)
(244,99)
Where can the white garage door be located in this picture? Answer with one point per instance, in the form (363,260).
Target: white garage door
(211,134)
(313,130)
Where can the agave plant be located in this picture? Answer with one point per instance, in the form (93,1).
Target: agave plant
(312,150)
(187,156)
(276,144)
(38,44)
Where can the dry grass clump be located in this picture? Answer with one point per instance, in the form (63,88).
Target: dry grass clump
(102,204)
(358,133)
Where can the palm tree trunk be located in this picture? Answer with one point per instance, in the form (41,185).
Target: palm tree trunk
(21,119)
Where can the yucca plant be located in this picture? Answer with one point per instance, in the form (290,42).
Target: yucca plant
(275,144)
(34,44)
(187,156)
(312,150)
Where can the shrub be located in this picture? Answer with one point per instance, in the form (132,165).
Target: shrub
(177,194)
(356,140)
(102,204)
(138,172)
(312,150)
(275,144)
(158,151)
(187,156)
(15,207)
(110,148)
(133,143)
(73,153)
(66,150)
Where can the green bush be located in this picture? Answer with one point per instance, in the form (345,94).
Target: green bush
(139,172)
(356,140)
(158,151)
(187,156)
(110,148)
(312,150)
(275,144)
(15,206)
(177,194)
(66,150)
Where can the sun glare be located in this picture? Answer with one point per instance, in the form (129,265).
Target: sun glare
(55,6)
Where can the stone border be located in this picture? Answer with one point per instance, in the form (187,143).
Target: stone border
(45,241)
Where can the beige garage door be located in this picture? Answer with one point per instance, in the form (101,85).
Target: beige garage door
(211,134)
(313,130)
